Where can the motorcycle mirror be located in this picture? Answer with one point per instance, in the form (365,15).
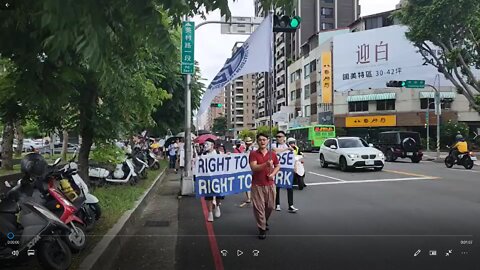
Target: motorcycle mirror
(57,161)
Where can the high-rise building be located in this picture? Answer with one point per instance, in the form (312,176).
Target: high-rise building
(240,102)
(216,111)
(316,16)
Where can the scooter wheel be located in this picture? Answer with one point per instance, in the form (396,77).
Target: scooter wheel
(144,174)
(97,210)
(156,166)
(76,240)
(54,254)
(133,180)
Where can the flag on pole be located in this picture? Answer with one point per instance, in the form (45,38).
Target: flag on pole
(254,56)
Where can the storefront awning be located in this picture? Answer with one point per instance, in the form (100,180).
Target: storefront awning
(383,96)
(443,95)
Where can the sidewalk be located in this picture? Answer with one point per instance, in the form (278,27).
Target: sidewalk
(432,156)
(153,243)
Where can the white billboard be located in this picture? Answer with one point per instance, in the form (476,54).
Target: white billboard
(368,59)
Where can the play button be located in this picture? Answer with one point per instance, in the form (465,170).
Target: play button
(239,253)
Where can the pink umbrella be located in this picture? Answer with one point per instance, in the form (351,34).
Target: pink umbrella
(202,138)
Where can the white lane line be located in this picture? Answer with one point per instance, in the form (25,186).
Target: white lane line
(372,181)
(462,170)
(326,176)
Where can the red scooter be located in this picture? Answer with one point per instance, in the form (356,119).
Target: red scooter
(61,206)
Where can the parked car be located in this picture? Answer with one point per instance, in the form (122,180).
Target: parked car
(350,153)
(400,144)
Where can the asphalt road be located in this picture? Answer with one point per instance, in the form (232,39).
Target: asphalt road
(354,220)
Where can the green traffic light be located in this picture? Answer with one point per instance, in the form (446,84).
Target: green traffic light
(295,22)
(219,105)
(403,83)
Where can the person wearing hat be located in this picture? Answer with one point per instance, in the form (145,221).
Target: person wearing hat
(213,202)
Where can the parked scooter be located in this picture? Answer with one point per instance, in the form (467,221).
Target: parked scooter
(25,224)
(140,163)
(59,204)
(152,160)
(90,210)
(123,173)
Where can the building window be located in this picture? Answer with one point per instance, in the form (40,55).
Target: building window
(292,95)
(298,93)
(314,109)
(313,87)
(292,77)
(306,71)
(328,1)
(327,26)
(430,102)
(307,110)
(326,12)
(372,23)
(307,91)
(313,66)
(386,105)
(358,106)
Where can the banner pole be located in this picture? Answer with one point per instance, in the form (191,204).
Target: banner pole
(272,84)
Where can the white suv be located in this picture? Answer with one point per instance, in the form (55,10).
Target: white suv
(349,153)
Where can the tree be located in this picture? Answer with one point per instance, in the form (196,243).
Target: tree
(454,27)
(246,133)
(219,125)
(449,130)
(266,130)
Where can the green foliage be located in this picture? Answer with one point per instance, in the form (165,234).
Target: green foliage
(449,130)
(266,130)
(246,133)
(454,27)
(220,125)
(107,153)
(32,130)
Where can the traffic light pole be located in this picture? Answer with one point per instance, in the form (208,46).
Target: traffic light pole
(186,184)
(438,112)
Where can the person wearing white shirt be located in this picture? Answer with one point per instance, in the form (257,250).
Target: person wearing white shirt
(281,146)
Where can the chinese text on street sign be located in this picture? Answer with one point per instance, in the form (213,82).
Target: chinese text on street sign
(326,77)
(188,42)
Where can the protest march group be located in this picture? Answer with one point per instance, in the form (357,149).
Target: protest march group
(260,172)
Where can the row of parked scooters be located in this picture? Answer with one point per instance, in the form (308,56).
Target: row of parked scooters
(50,209)
(135,166)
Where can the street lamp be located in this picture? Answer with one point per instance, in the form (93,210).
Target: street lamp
(438,111)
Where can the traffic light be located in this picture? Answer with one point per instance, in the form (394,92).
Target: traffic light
(396,84)
(285,23)
(216,105)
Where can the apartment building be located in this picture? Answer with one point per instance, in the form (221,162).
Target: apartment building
(240,102)
(215,112)
(316,15)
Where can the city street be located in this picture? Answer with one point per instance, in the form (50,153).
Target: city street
(354,220)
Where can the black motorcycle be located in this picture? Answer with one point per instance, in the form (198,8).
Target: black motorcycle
(28,228)
(464,160)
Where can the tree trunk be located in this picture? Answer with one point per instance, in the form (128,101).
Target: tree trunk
(87,108)
(7,146)
(20,136)
(65,145)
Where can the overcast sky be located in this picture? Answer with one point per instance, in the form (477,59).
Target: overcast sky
(212,48)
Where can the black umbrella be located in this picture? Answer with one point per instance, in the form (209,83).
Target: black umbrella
(170,141)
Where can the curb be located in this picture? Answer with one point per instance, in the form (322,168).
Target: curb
(111,245)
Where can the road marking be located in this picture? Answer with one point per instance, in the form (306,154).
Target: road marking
(326,176)
(212,239)
(409,174)
(462,170)
(373,181)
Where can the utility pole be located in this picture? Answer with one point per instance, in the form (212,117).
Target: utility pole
(438,112)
